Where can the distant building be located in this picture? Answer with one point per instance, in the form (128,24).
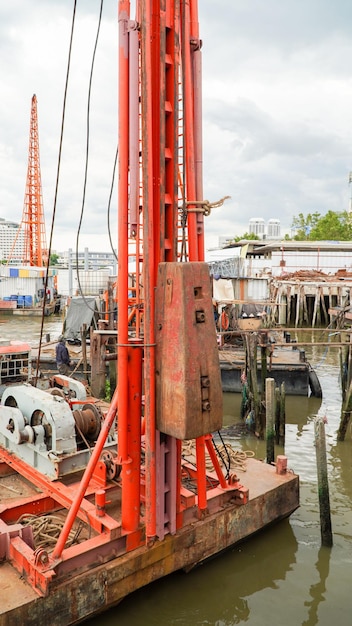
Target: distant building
(274,229)
(8,232)
(257,227)
(88,259)
(224,241)
(271,230)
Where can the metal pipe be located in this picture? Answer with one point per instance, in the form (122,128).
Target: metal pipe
(72,514)
(122,283)
(130,475)
(196,58)
(188,106)
(201,473)
(215,461)
(149,270)
(134,130)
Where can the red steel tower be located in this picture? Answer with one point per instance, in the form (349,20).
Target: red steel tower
(35,250)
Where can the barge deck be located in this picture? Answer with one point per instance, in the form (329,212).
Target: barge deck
(101,580)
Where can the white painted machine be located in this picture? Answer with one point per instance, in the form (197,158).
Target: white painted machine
(43,430)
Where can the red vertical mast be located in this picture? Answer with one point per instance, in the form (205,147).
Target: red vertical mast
(35,251)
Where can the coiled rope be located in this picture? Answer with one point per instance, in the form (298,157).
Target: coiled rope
(236,458)
(204,206)
(47,528)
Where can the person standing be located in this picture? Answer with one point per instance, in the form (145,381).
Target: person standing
(62,357)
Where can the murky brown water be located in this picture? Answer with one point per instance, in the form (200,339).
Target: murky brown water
(282,576)
(28,329)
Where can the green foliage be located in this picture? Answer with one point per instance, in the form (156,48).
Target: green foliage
(334,226)
(54,258)
(107,390)
(250,236)
(303,225)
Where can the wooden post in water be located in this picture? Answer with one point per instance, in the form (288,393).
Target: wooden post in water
(323,484)
(270,416)
(277,414)
(345,414)
(288,309)
(280,415)
(348,364)
(305,316)
(323,306)
(343,376)
(251,355)
(264,368)
(282,424)
(298,306)
(315,309)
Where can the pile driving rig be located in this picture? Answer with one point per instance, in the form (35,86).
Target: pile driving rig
(149,511)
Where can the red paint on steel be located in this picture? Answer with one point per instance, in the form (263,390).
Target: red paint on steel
(149,90)
(215,461)
(100,502)
(122,284)
(196,57)
(188,107)
(281,464)
(131,471)
(201,473)
(105,428)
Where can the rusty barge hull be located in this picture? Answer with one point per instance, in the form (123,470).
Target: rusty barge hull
(100,585)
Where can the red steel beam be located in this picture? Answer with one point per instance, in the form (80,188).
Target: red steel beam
(149,269)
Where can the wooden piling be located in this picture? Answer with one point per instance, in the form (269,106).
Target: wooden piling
(98,366)
(270,414)
(264,370)
(323,484)
(323,306)
(288,310)
(315,309)
(251,343)
(298,307)
(84,349)
(343,372)
(280,415)
(349,364)
(305,317)
(282,419)
(345,414)
(112,367)
(277,414)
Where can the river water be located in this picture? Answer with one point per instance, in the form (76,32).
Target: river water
(282,575)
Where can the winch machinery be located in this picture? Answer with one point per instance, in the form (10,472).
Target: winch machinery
(52,431)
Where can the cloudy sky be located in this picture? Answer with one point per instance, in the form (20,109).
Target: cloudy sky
(277,109)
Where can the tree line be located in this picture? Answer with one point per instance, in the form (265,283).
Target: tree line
(333,226)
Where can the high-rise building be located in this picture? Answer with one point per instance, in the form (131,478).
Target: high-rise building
(257,226)
(274,229)
(8,232)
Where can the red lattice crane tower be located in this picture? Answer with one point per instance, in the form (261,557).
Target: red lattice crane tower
(35,251)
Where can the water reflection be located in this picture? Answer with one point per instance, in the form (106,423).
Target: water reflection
(215,593)
(317,591)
